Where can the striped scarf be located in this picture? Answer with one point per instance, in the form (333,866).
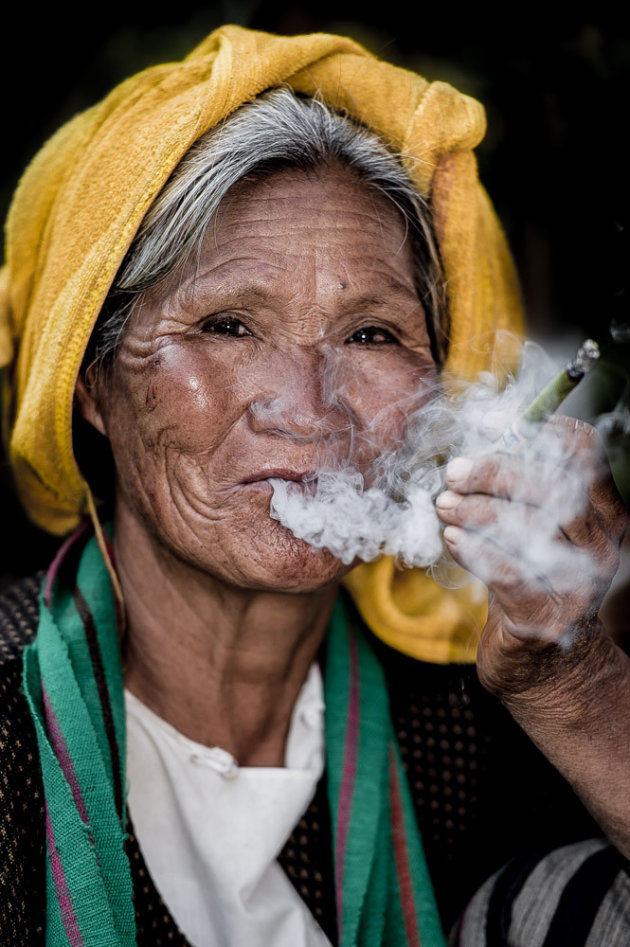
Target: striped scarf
(74,687)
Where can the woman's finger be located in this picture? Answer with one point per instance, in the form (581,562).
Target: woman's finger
(524,478)
(509,525)
(528,532)
(564,472)
(513,474)
(494,516)
(534,600)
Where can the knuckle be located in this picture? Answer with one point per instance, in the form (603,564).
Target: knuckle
(577,430)
(609,557)
(609,508)
(498,474)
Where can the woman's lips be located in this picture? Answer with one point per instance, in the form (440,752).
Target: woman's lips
(262,481)
(280,473)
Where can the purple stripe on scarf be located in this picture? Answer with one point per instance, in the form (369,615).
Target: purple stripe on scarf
(401,856)
(348,777)
(66,908)
(60,749)
(53,569)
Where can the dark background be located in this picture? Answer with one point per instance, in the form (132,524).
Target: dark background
(555,159)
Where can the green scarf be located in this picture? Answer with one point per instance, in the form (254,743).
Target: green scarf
(74,687)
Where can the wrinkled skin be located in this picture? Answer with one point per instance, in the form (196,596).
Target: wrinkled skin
(218,386)
(544,651)
(495,506)
(219,377)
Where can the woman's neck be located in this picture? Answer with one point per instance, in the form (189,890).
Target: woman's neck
(222,665)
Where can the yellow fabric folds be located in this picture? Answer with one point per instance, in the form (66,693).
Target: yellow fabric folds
(83,197)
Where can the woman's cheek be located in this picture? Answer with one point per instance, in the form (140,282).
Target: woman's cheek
(181,399)
(384,392)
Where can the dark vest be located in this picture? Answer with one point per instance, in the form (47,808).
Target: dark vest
(482,794)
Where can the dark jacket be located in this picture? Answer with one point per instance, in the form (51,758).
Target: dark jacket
(482,794)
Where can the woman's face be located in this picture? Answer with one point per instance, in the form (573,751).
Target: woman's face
(296,337)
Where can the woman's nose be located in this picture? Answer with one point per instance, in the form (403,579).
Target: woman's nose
(299,399)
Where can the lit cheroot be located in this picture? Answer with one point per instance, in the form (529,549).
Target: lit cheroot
(552,395)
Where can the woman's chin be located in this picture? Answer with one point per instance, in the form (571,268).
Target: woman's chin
(258,553)
(253,554)
(283,563)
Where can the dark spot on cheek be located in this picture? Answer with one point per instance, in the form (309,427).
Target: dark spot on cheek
(155,363)
(342,285)
(151,398)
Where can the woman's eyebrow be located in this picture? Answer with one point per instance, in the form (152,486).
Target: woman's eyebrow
(200,290)
(396,291)
(396,296)
(263,291)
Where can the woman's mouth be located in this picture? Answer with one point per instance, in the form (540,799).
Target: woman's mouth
(263,480)
(281,473)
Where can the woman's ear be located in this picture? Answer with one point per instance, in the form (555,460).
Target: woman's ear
(87,400)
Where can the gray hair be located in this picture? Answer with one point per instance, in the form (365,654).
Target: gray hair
(278,130)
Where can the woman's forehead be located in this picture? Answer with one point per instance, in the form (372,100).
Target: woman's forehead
(318,230)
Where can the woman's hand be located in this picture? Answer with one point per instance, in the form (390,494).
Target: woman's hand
(542,528)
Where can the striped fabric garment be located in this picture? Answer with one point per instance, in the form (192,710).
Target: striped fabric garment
(576,896)
(73,684)
(384,895)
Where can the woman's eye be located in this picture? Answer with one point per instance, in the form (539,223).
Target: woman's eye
(226,326)
(372,335)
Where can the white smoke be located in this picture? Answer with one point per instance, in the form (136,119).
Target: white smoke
(390,508)
(340,514)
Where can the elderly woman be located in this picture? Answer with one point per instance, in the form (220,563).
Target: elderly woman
(192,707)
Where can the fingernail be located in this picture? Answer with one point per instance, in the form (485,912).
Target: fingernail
(448,500)
(452,535)
(458,470)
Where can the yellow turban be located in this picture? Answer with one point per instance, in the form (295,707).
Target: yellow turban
(81,201)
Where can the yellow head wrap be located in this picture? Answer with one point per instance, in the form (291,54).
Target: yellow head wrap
(82,199)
